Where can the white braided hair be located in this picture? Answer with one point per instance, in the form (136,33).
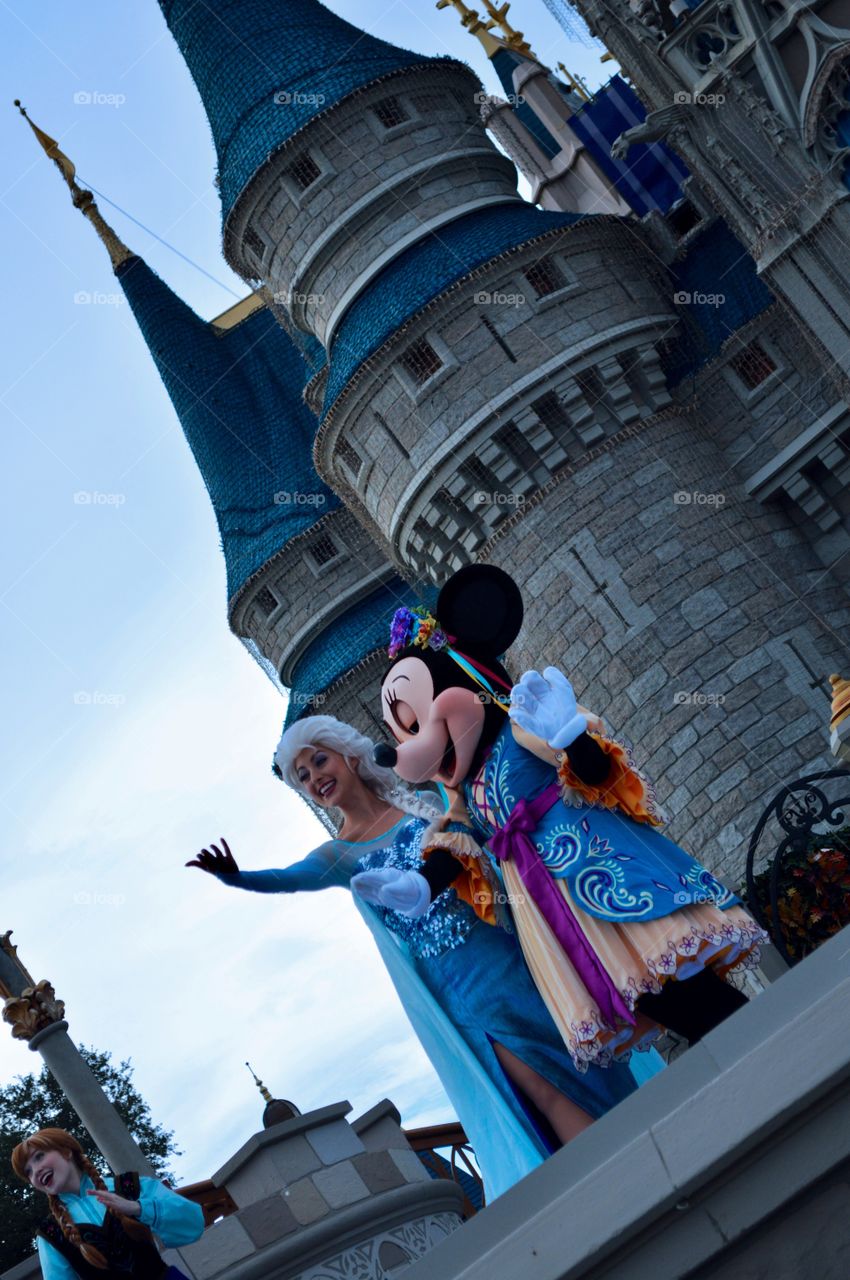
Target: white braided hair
(335,735)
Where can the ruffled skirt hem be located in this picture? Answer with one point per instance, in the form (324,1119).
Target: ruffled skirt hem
(639,957)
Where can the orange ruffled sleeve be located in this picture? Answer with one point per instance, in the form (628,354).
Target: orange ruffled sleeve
(473,886)
(625,788)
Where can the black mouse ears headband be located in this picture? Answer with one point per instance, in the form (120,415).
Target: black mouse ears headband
(479,612)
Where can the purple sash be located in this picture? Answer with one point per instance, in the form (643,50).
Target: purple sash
(512,842)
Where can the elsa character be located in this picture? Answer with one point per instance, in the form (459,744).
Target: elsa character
(456,963)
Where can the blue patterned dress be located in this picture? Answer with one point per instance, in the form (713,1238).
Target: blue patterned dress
(649,910)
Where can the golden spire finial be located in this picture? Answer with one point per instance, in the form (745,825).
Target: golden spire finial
(82,200)
(497,17)
(474,24)
(575,83)
(512,38)
(262,1088)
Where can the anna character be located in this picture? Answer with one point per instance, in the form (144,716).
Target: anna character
(99,1230)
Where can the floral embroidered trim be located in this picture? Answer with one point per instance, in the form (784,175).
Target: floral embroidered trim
(592,1042)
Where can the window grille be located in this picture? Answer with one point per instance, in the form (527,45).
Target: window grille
(323,550)
(753,365)
(421,361)
(349,455)
(254,242)
(266,601)
(390,112)
(545,277)
(304,171)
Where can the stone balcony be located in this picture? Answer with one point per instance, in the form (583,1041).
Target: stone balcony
(733,1164)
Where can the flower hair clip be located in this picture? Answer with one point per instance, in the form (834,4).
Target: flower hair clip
(415,627)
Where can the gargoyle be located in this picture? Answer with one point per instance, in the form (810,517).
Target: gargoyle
(657,125)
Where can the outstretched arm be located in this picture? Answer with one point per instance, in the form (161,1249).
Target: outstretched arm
(175,1219)
(312,873)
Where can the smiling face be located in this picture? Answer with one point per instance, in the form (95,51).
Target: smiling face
(326,776)
(53,1172)
(437,735)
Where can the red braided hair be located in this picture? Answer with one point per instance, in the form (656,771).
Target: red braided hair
(68,1146)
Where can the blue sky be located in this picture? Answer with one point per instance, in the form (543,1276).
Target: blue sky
(138,728)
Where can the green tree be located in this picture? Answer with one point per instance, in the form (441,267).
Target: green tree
(36,1102)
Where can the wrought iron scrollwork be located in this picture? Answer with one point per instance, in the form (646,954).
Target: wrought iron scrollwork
(802,811)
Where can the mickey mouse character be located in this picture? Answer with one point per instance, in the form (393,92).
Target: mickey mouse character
(620,927)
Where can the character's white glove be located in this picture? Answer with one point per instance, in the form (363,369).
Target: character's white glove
(545,705)
(406,892)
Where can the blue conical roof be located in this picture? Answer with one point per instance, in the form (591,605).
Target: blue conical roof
(264,68)
(362,630)
(237,393)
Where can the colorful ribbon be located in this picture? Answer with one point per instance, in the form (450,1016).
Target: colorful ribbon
(512,841)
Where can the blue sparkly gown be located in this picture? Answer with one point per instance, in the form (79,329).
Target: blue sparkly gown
(463,985)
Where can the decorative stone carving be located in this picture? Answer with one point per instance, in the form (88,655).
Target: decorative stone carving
(661,124)
(33,1010)
(831,150)
(367,1261)
(714,38)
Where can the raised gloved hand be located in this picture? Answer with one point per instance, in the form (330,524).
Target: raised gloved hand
(406,892)
(545,705)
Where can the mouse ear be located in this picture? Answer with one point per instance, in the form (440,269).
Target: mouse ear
(481,607)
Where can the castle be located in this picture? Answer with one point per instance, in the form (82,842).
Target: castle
(634,398)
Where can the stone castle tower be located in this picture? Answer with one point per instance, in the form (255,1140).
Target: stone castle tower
(494,381)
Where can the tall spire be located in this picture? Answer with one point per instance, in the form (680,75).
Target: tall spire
(237,394)
(83,200)
(265,68)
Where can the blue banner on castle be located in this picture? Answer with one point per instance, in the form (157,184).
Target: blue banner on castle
(651,175)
